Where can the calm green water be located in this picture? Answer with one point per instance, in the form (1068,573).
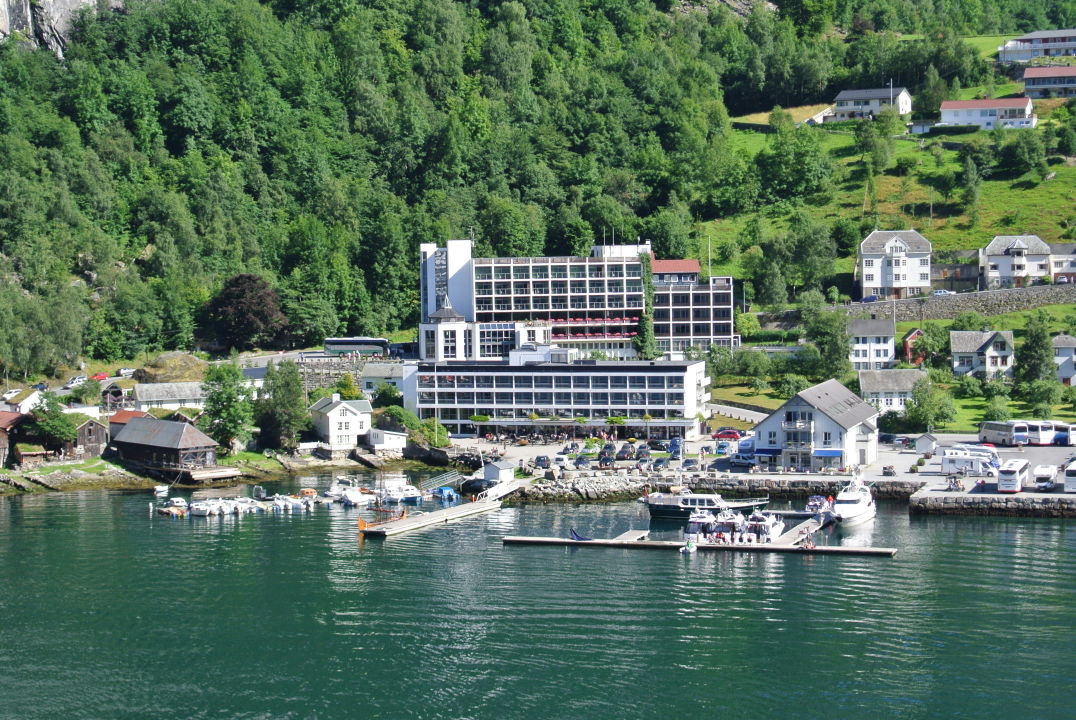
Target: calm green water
(108,612)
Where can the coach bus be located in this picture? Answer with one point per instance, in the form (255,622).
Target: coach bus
(1013,476)
(1010,432)
(356,346)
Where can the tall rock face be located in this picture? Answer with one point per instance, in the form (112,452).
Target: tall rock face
(43,22)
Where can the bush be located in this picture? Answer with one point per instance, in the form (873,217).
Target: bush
(952,130)
(398,417)
(891,421)
(790,384)
(998,409)
(1041,411)
(913,469)
(968,387)
(996,388)
(921,462)
(905,164)
(940,375)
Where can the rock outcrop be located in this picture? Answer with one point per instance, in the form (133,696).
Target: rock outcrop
(43,22)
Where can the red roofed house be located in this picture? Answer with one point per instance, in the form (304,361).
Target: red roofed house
(988,114)
(8,422)
(119,421)
(675,270)
(1045,82)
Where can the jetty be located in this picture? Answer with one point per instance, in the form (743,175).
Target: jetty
(790,542)
(485,501)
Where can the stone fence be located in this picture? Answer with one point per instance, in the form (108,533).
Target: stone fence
(986,302)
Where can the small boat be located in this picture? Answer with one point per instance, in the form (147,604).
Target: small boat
(763,528)
(680,502)
(160,490)
(579,538)
(445,493)
(398,490)
(854,503)
(699,525)
(177,502)
(353,497)
(258,492)
(688,548)
(205,508)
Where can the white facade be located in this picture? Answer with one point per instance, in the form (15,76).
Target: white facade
(341,423)
(986,354)
(24,401)
(852,104)
(379,439)
(825,426)
(873,346)
(558,387)
(452,339)
(894,264)
(594,303)
(1065,358)
(1014,261)
(1004,112)
(1041,43)
(889,390)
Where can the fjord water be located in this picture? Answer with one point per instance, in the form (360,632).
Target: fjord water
(109,612)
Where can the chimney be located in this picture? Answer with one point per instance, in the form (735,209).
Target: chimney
(336,397)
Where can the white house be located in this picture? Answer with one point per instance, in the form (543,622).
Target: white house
(23,401)
(873,346)
(894,264)
(1045,82)
(825,426)
(987,353)
(926,443)
(990,113)
(1065,357)
(379,439)
(1063,259)
(171,396)
(1014,261)
(1041,43)
(340,423)
(888,389)
(852,104)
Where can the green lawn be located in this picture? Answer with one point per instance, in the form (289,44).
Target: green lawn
(1000,90)
(744,394)
(1060,316)
(969,413)
(251,459)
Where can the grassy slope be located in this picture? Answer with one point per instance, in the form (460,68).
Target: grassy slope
(799,114)
(1015,321)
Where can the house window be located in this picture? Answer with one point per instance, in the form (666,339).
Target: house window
(868,263)
(999,346)
(993,266)
(923,262)
(772,437)
(868,277)
(1042,266)
(924,276)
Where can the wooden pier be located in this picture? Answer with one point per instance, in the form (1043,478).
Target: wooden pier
(484,502)
(702,547)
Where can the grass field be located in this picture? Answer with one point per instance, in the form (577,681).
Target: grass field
(969,413)
(1062,318)
(799,114)
(744,394)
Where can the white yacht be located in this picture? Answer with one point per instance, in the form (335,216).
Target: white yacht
(698,526)
(854,503)
(398,490)
(354,497)
(763,528)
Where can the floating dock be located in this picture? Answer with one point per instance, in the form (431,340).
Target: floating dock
(702,547)
(484,502)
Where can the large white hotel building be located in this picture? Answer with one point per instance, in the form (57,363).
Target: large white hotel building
(591,303)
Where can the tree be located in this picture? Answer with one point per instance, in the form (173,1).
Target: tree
(386,394)
(752,363)
(645,342)
(995,388)
(720,360)
(245,313)
(88,393)
(929,406)
(49,422)
(972,187)
(1034,360)
(933,345)
(228,412)
(747,325)
(770,285)
(790,384)
(969,320)
(346,388)
(828,330)
(969,386)
(1041,395)
(281,408)
(998,410)
(1023,153)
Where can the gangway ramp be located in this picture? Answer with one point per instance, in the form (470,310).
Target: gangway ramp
(483,502)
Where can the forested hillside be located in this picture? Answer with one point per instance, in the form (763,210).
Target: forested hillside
(315,144)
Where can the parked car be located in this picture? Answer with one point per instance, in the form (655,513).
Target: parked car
(942,293)
(728,435)
(661,463)
(624,454)
(12,393)
(542,461)
(690,464)
(582,463)
(870,299)
(609,448)
(659,445)
(75,382)
(742,460)
(42,386)
(1062,280)
(889,438)
(605,464)
(125,372)
(724,447)
(99,376)
(642,453)
(560,461)
(677,454)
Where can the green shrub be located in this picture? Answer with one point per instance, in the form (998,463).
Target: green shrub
(913,469)
(921,462)
(952,130)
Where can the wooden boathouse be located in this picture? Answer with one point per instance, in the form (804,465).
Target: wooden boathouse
(170,448)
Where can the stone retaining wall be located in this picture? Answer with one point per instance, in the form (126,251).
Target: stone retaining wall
(1022,505)
(989,302)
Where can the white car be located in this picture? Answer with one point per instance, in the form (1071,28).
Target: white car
(561,461)
(75,382)
(942,293)
(12,393)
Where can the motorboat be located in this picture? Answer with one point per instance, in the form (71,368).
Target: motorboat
(398,490)
(176,502)
(854,503)
(354,497)
(681,502)
(160,490)
(446,494)
(699,524)
(728,523)
(205,508)
(763,527)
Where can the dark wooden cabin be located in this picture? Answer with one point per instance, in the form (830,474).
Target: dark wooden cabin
(165,444)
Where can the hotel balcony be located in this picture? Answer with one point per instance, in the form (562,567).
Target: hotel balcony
(796,425)
(796,445)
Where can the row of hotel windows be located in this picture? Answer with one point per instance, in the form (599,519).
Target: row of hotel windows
(869,277)
(597,382)
(532,399)
(567,415)
(897,262)
(560,302)
(541,272)
(557,286)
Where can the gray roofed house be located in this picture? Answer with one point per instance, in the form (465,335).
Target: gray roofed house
(877,241)
(1040,43)
(171,396)
(873,343)
(340,423)
(888,389)
(826,426)
(1006,244)
(986,353)
(868,102)
(872,326)
(1063,341)
(870,93)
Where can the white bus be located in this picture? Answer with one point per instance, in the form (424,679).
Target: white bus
(1062,433)
(1013,476)
(1010,432)
(1040,432)
(1070,477)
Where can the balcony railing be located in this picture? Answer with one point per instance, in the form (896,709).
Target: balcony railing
(796,425)
(796,445)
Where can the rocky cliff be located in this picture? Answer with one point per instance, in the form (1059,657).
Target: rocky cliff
(43,22)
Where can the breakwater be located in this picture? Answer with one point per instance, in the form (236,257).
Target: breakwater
(932,501)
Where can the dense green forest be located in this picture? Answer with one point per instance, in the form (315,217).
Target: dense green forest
(313,145)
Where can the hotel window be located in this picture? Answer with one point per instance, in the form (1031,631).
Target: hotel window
(868,277)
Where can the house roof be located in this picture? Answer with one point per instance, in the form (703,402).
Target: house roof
(1049,72)
(81,419)
(1002,244)
(870,93)
(913,332)
(163,434)
(926,436)
(889,380)
(876,241)
(125,416)
(1063,248)
(838,403)
(503,465)
(675,266)
(328,404)
(151,392)
(1041,34)
(1063,341)
(24,394)
(871,326)
(446,313)
(382,370)
(974,340)
(255,373)
(1018,103)
(9,420)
